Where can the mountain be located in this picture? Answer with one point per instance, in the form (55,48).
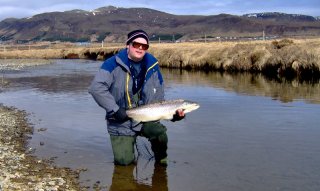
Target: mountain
(112,24)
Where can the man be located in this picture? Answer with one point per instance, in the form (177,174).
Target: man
(126,80)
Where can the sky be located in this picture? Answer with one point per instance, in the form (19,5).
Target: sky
(28,8)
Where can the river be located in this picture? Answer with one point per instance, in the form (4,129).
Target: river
(250,133)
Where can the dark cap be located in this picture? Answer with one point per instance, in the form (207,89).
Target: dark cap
(136,34)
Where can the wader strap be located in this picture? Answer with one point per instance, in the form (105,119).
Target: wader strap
(127,90)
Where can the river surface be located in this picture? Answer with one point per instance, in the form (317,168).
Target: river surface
(249,133)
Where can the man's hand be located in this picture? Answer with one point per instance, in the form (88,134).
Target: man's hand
(121,115)
(178,115)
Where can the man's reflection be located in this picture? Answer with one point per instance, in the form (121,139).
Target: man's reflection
(145,175)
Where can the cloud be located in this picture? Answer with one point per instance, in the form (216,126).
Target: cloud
(14,12)
(20,9)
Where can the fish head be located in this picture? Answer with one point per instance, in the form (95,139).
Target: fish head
(188,106)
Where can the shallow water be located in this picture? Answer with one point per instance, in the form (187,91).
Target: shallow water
(249,133)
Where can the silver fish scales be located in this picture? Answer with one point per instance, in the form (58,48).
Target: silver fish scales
(161,110)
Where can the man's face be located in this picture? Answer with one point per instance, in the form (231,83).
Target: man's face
(137,49)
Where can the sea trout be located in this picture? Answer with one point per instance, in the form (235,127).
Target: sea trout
(161,110)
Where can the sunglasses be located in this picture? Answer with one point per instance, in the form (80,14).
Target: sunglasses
(138,45)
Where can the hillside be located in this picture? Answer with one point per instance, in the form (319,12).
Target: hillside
(112,24)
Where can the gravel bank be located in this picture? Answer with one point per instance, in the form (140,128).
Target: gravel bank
(19,170)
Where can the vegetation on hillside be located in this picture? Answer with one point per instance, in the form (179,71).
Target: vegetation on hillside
(111,24)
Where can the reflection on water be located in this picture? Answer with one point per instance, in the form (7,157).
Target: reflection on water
(64,83)
(250,84)
(249,134)
(136,177)
(77,76)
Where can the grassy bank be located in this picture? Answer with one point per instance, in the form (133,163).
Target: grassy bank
(290,58)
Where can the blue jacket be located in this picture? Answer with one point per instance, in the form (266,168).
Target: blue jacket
(111,88)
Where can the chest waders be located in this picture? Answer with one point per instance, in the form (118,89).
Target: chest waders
(123,146)
(155,132)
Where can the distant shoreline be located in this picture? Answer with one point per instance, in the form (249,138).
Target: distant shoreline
(279,58)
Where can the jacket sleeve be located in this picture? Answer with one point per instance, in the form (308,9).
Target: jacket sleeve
(99,89)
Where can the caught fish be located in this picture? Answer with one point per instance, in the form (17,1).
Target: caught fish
(161,110)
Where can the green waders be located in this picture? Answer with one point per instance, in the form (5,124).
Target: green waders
(155,132)
(123,149)
(123,146)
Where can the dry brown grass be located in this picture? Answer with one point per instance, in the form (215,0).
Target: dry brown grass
(282,57)
(238,56)
(287,56)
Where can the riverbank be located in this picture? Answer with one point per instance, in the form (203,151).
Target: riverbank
(286,57)
(19,169)
(275,59)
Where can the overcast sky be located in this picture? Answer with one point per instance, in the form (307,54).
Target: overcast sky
(27,8)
